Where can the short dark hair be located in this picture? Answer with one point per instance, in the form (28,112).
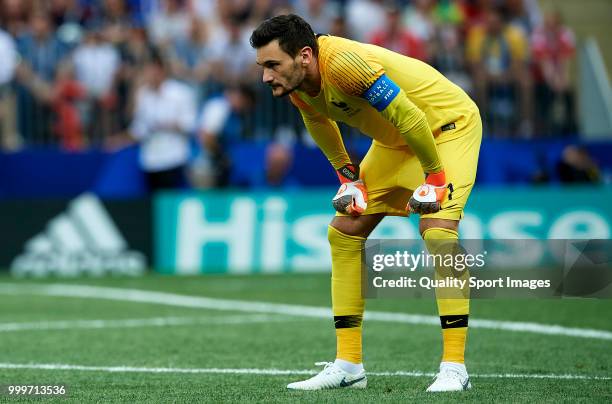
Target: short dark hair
(292,32)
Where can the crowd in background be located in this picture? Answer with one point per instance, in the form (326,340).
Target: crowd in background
(86,73)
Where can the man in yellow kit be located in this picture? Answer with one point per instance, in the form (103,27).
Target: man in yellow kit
(422,126)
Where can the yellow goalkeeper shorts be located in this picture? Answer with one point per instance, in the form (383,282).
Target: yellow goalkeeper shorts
(391,174)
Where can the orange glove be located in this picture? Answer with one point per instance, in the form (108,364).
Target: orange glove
(352,197)
(428,198)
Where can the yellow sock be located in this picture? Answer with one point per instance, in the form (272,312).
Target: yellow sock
(347,302)
(348,344)
(454,312)
(454,344)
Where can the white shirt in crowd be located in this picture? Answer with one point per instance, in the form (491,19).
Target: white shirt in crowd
(214,115)
(95,67)
(8,56)
(156,113)
(163,27)
(363,17)
(236,57)
(320,14)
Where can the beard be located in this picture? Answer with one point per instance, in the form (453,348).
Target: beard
(284,91)
(293,83)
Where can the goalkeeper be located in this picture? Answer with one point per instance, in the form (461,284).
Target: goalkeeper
(422,126)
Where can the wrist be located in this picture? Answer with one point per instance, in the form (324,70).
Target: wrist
(348,173)
(436,179)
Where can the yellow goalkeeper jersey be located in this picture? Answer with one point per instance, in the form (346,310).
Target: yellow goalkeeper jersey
(396,100)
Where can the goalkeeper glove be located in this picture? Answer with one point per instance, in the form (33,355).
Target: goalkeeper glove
(428,198)
(352,197)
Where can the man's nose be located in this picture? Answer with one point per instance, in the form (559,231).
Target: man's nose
(267,77)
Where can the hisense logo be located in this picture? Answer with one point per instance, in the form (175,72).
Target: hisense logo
(82,240)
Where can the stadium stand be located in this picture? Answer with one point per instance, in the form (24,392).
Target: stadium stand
(71,97)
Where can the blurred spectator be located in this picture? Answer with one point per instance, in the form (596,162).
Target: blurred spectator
(232,57)
(553,48)
(117,21)
(164,117)
(135,52)
(420,20)
(282,7)
(41,52)
(517,17)
(320,14)
(96,64)
(67,94)
(394,36)
(239,9)
(448,12)
(338,27)
(497,53)
(447,55)
(169,23)
(222,123)
(63,11)
(524,14)
(363,17)
(205,10)
(278,163)
(259,10)
(15,15)
(8,55)
(188,57)
(475,12)
(577,166)
(436,25)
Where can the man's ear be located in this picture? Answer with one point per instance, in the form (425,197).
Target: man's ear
(306,55)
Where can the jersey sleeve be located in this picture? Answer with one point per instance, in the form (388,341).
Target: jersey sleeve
(325,133)
(356,72)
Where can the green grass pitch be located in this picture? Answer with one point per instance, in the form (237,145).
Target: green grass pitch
(38,329)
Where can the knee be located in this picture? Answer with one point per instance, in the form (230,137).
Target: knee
(343,245)
(430,223)
(336,235)
(344,226)
(356,226)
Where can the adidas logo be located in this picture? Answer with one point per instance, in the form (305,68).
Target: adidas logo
(82,240)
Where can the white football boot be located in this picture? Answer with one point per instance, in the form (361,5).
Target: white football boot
(331,377)
(452,377)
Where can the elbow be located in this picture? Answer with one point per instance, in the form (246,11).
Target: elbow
(416,125)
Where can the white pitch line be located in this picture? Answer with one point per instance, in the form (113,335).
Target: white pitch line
(275,372)
(139,322)
(172,299)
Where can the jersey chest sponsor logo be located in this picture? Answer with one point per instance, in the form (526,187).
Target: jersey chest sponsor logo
(347,109)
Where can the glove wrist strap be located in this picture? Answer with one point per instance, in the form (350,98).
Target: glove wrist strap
(436,179)
(348,173)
